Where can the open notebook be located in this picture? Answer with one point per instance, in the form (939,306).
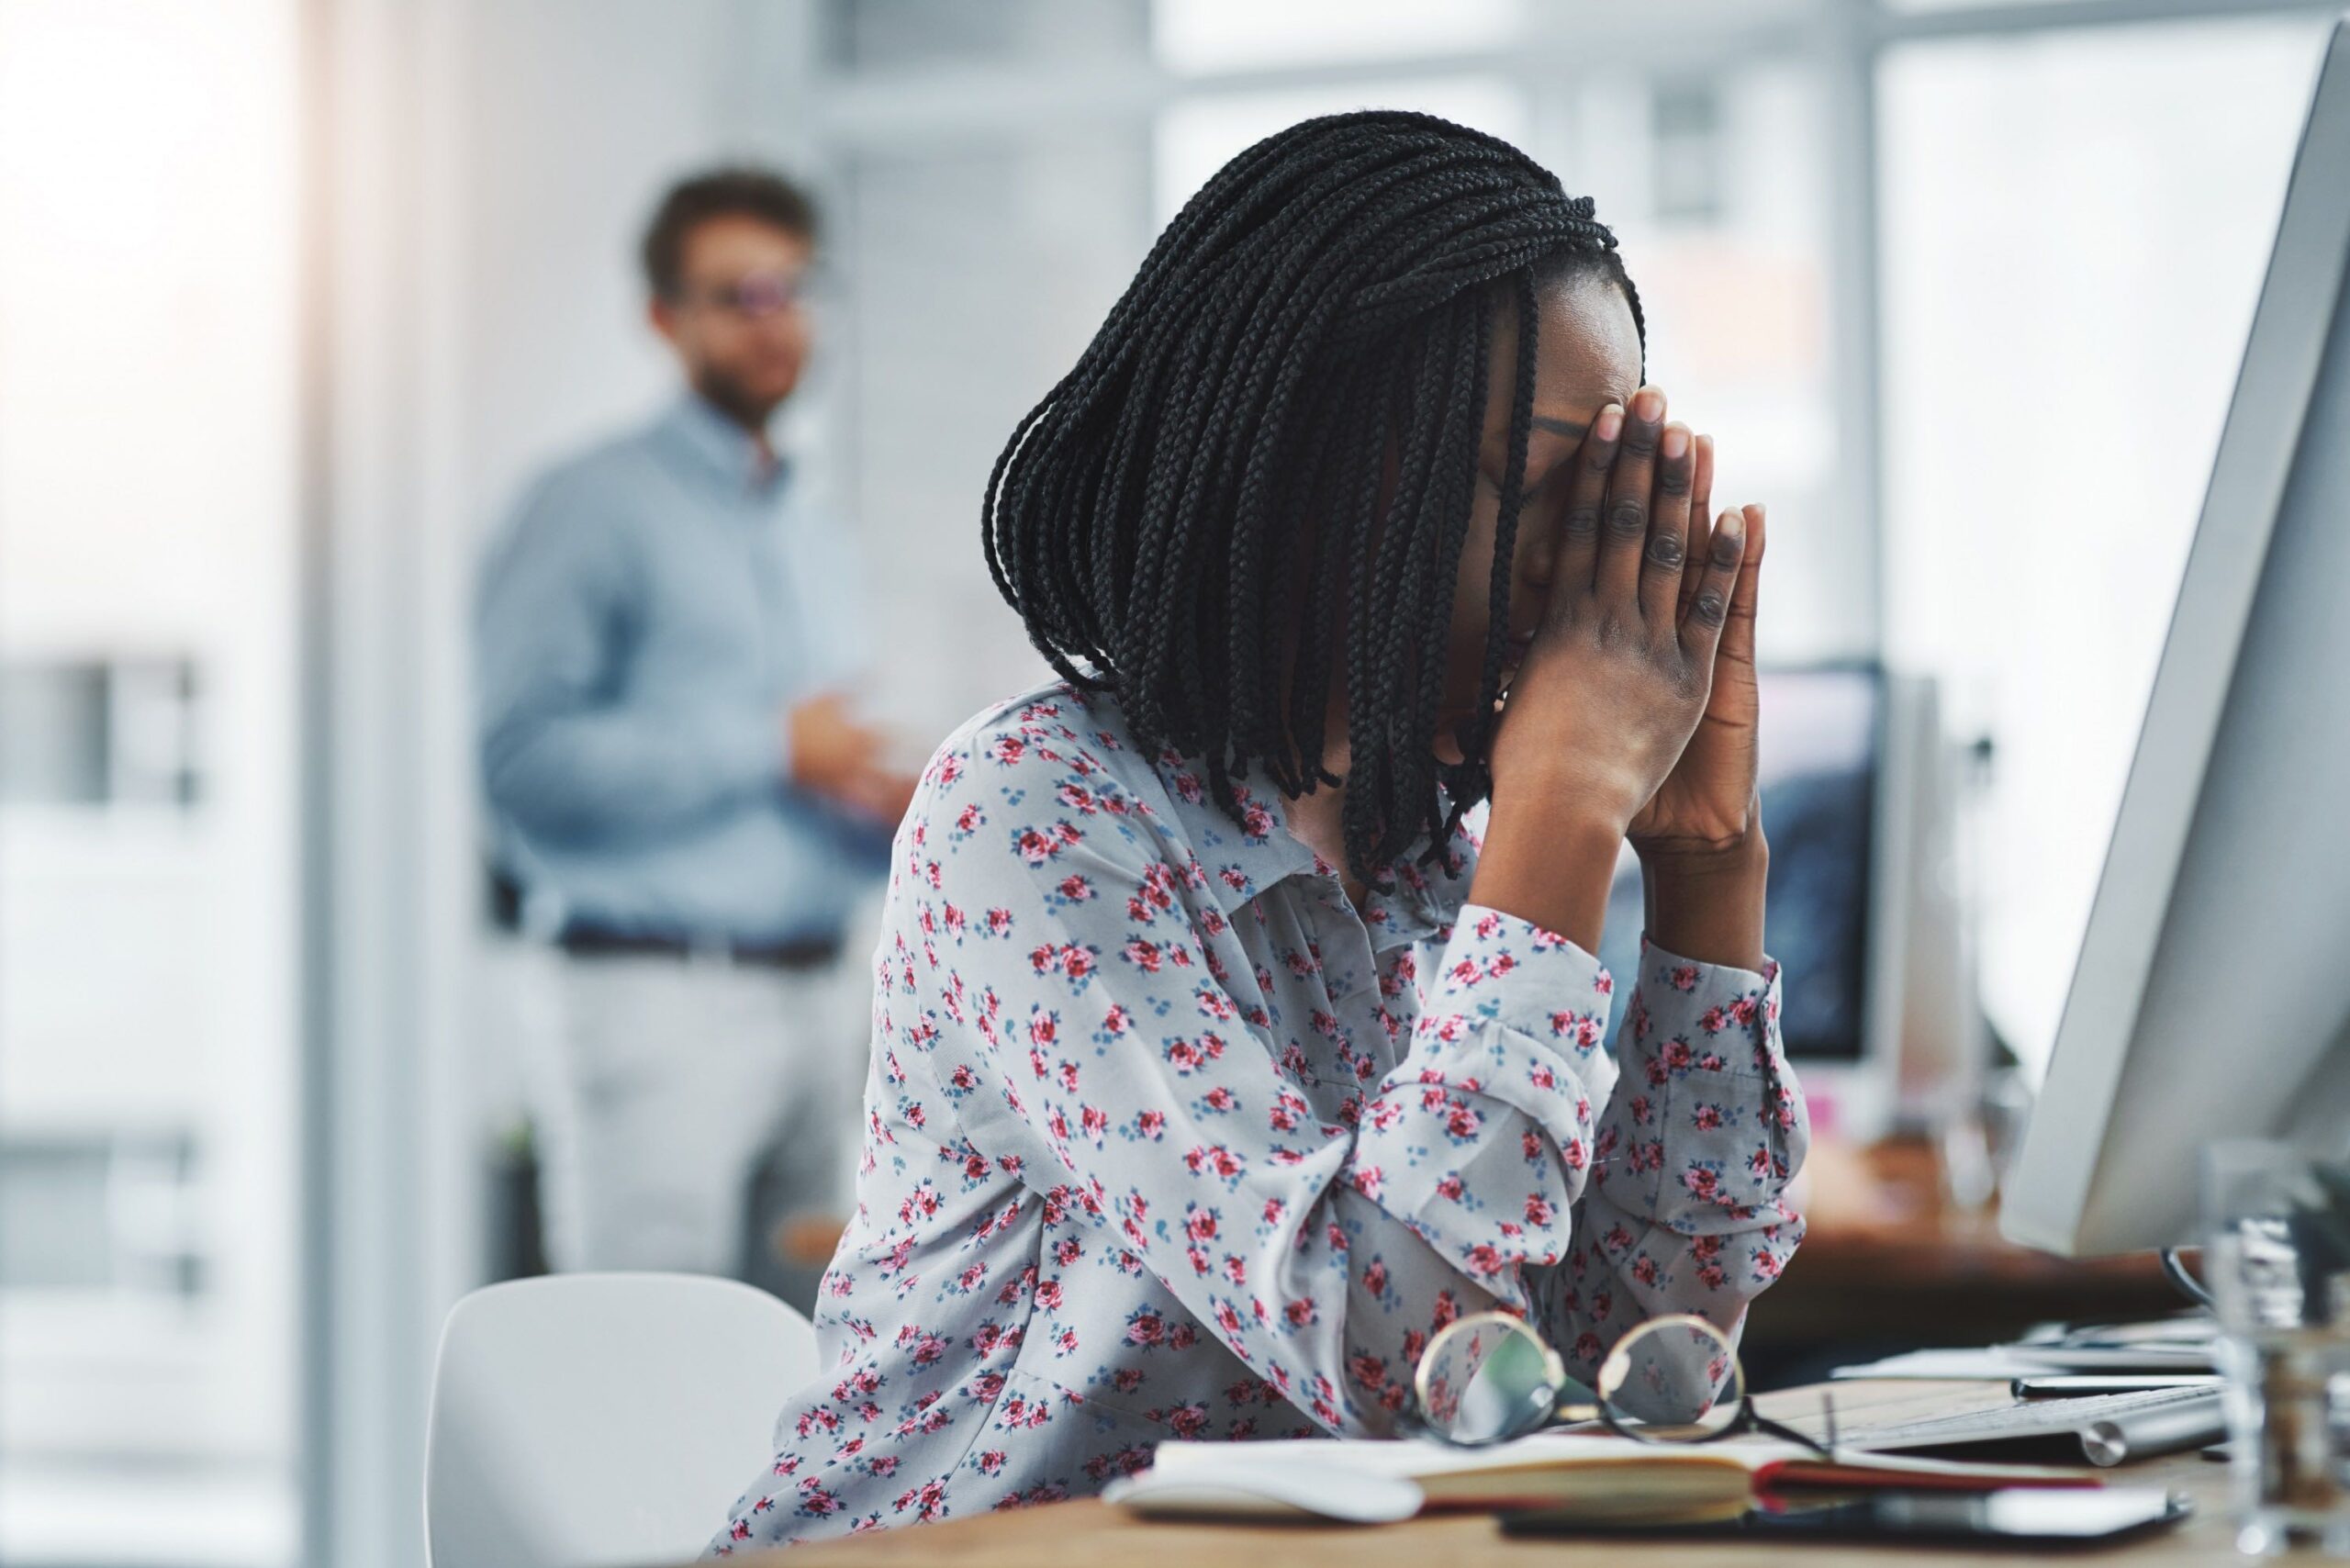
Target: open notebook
(1600,1477)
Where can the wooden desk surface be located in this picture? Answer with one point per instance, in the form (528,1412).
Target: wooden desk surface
(1888,1264)
(1086,1533)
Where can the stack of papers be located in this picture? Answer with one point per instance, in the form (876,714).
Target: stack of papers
(2172,1345)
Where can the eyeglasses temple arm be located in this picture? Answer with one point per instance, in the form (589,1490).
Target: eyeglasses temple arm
(1781,1430)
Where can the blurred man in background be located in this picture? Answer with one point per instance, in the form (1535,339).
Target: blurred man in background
(667,634)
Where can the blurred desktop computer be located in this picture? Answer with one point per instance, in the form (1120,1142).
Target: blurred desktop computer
(1860,797)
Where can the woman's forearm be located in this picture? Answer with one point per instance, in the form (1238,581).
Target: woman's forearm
(1551,864)
(1709,905)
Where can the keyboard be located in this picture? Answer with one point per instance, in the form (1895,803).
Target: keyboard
(2172,1412)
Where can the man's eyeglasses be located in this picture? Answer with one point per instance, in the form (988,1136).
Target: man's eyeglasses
(753,295)
(1489,1378)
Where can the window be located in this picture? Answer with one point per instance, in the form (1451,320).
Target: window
(148,948)
(940,362)
(105,1215)
(2052,219)
(864,37)
(1198,135)
(86,732)
(1685,128)
(1196,36)
(1714,187)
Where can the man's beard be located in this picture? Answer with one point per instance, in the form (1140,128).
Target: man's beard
(728,395)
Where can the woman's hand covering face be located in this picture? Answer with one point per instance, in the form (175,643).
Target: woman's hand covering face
(1645,640)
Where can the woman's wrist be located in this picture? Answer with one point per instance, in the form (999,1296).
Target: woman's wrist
(1551,864)
(1707,904)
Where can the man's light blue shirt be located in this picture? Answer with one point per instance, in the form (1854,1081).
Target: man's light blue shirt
(654,607)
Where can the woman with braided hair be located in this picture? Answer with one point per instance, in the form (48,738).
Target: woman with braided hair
(1219,1058)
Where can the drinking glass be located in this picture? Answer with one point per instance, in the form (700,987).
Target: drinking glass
(2277,1262)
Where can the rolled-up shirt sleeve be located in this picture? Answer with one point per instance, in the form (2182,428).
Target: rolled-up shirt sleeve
(1686,1208)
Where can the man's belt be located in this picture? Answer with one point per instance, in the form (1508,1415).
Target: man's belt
(802,953)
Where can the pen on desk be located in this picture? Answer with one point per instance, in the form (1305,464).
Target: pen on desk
(2160,1429)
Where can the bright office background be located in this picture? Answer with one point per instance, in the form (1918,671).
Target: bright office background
(296,292)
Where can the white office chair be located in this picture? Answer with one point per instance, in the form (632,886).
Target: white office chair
(591,1420)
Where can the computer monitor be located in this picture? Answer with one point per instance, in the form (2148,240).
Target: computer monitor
(1821,743)
(1857,786)
(2213,989)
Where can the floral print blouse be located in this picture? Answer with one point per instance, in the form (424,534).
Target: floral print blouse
(1164,1138)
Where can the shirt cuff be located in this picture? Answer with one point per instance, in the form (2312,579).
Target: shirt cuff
(1525,977)
(1712,1119)
(1704,1017)
(1483,1133)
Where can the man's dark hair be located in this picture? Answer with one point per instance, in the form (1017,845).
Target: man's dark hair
(1177,519)
(718,192)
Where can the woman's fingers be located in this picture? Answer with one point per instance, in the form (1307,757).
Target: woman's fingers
(1718,586)
(1701,525)
(1667,551)
(1738,630)
(1587,493)
(1624,519)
